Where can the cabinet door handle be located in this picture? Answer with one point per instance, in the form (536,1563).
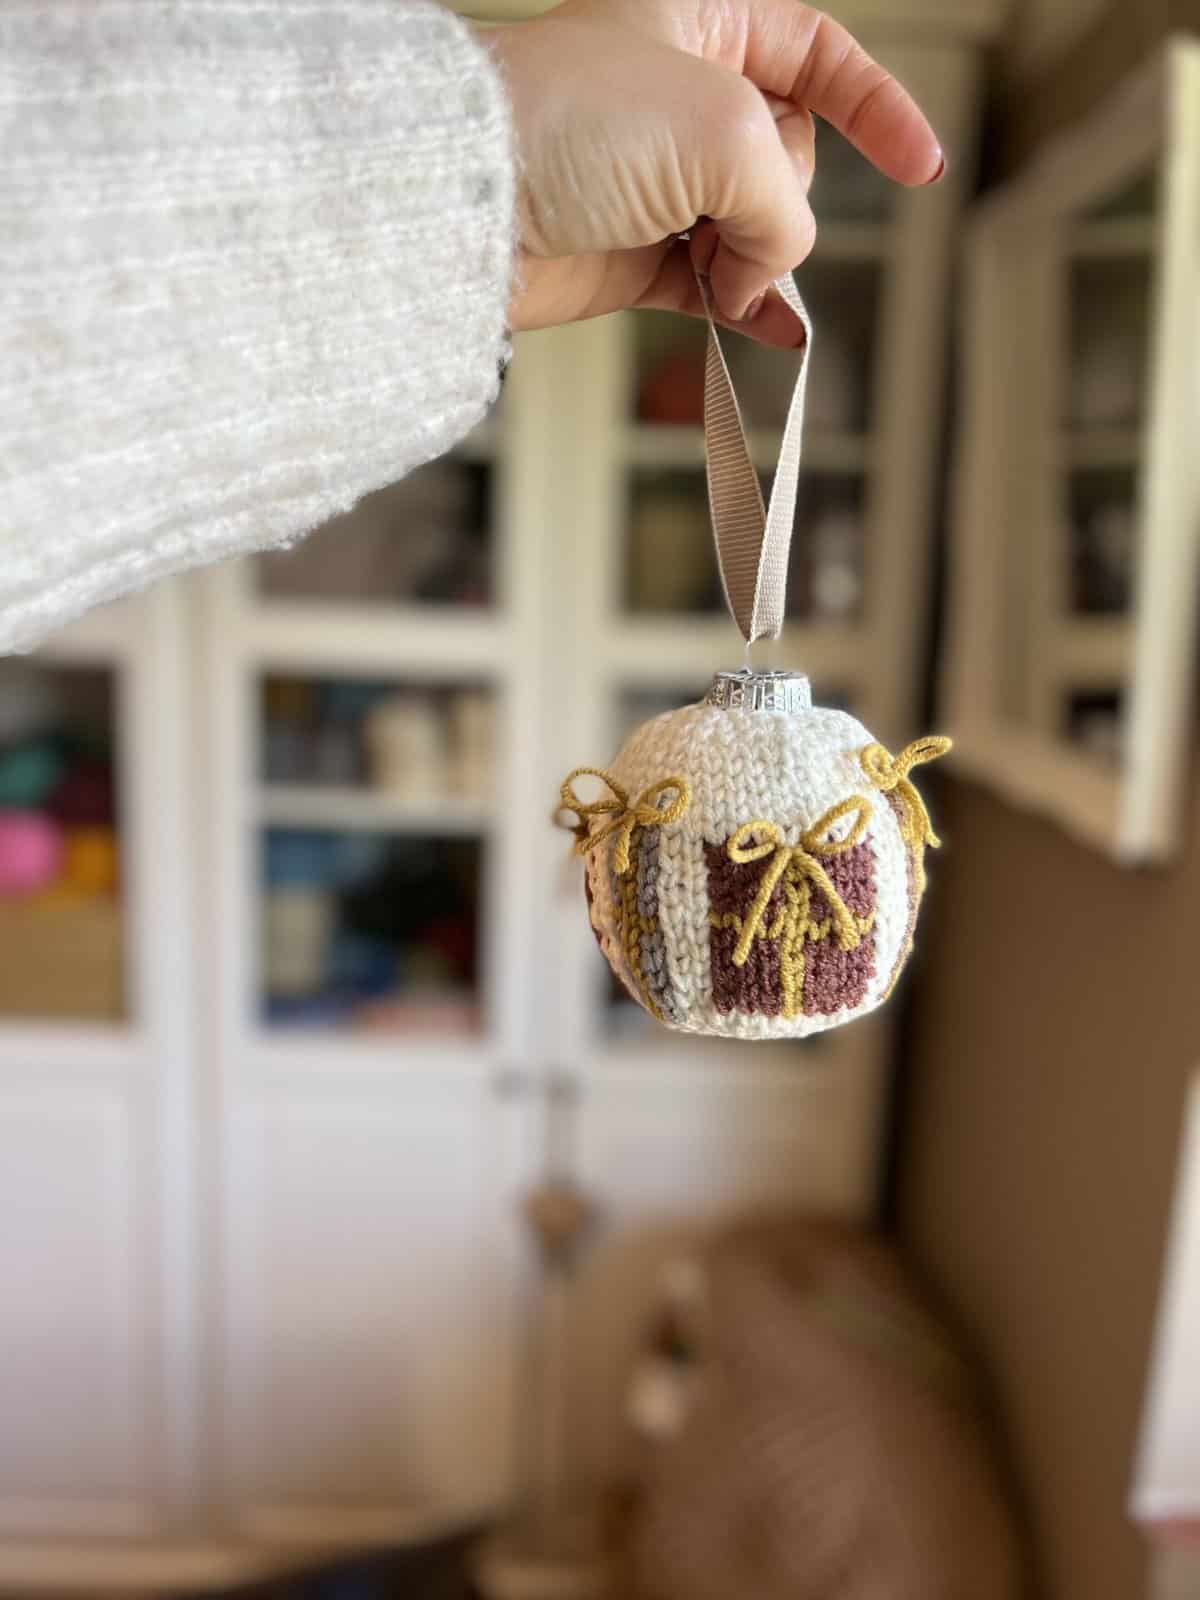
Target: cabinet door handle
(562,1088)
(557,1087)
(510,1083)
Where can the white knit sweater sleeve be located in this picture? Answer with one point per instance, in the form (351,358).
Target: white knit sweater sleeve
(254,262)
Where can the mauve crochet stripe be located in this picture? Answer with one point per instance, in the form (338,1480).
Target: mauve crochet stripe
(836,979)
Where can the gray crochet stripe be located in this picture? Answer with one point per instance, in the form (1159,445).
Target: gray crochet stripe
(653,948)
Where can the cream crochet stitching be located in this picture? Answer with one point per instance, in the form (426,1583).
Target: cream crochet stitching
(788,768)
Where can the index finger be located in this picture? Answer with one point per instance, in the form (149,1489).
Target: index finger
(806,57)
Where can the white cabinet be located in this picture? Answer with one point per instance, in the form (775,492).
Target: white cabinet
(260,1249)
(380,871)
(1077,507)
(368,1331)
(97,1131)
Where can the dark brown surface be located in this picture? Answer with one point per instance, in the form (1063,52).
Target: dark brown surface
(421,1572)
(1029,113)
(1056,1022)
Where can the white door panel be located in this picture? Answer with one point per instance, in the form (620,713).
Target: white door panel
(75,1373)
(369,1338)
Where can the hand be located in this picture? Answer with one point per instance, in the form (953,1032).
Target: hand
(638,119)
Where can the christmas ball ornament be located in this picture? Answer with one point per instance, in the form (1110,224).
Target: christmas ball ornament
(754,864)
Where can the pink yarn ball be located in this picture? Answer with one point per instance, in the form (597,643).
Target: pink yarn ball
(31,849)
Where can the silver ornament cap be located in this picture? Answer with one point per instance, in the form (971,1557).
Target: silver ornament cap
(746,690)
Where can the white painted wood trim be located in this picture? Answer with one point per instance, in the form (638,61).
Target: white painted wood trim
(313,806)
(1165,1486)
(1132,815)
(904,485)
(1158,743)
(1031,772)
(352,640)
(962,20)
(678,652)
(1090,160)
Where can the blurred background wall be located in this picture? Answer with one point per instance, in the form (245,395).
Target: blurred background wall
(1055,1026)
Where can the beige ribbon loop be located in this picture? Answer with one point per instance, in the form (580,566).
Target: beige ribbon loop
(813,844)
(888,772)
(752,542)
(647,811)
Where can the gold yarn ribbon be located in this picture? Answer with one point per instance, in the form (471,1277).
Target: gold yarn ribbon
(647,811)
(804,855)
(888,772)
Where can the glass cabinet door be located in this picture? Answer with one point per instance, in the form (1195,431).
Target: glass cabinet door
(62,926)
(371,665)
(1077,508)
(668,566)
(373,705)
(427,541)
(1080,652)
(374,804)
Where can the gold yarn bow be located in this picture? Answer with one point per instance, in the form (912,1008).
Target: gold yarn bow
(804,855)
(888,772)
(646,811)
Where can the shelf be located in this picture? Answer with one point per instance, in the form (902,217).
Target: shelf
(424,641)
(438,1023)
(672,650)
(1035,773)
(1101,447)
(659,445)
(1089,652)
(371,810)
(1114,236)
(91,1047)
(281,1051)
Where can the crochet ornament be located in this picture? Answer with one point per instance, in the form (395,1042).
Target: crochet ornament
(754,864)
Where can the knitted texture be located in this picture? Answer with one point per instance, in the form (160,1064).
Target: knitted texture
(256,263)
(755,874)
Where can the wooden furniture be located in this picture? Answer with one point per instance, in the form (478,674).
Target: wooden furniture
(1077,506)
(260,1245)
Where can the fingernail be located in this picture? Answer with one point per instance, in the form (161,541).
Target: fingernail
(941,167)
